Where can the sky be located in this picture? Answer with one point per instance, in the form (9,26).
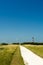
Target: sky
(20,20)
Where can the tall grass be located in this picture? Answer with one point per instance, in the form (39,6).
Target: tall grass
(10,55)
(6,54)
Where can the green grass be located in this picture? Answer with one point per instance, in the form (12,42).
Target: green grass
(17,59)
(6,54)
(10,55)
(37,49)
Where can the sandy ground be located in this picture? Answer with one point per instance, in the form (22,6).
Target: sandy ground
(29,57)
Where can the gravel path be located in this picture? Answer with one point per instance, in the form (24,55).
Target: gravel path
(29,57)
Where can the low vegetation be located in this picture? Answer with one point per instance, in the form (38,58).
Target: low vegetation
(17,59)
(10,55)
(6,54)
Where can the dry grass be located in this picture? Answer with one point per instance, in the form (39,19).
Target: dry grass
(10,55)
(6,54)
(37,49)
(17,59)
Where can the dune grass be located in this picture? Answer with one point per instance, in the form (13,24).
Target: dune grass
(6,54)
(37,49)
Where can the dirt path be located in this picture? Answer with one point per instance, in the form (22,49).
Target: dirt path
(17,59)
(29,57)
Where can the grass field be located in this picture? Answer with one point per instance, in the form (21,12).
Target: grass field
(10,55)
(37,49)
(6,53)
(17,59)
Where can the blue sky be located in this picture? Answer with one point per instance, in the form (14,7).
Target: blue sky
(20,20)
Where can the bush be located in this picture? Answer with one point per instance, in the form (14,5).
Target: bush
(15,43)
(4,43)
